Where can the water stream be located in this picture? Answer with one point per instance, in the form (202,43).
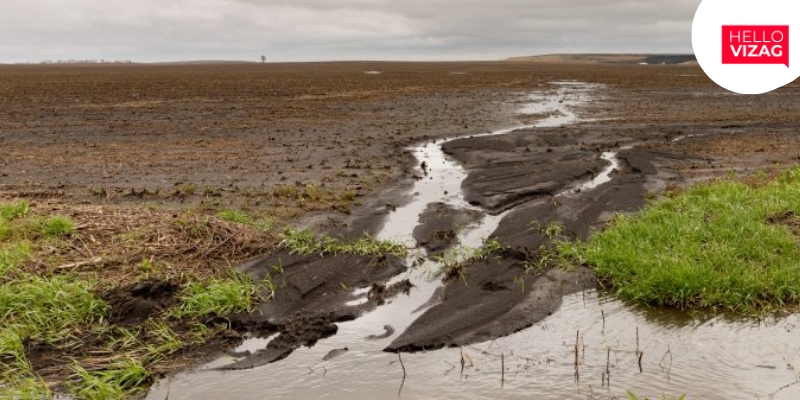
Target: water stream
(713,359)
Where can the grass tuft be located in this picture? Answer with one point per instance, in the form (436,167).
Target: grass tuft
(721,245)
(13,211)
(125,379)
(48,309)
(57,226)
(216,297)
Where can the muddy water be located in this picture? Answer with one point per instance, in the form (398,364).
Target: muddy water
(710,359)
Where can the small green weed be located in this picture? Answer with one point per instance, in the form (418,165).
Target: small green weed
(234,216)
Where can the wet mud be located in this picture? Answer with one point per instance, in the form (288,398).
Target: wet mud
(533,178)
(493,298)
(507,171)
(312,294)
(439,225)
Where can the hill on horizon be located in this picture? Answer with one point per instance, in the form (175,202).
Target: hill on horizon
(620,58)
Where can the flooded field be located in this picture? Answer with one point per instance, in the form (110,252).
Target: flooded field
(593,347)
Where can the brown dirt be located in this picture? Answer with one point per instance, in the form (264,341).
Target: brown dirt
(229,135)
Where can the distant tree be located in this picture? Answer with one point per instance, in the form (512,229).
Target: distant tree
(263,59)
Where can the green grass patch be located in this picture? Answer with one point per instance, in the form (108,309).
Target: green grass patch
(17,381)
(240,217)
(44,310)
(721,245)
(11,255)
(48,309)
(57,226)
(234,216)
(17,223)
(122,380)
(216,297)
(11,211)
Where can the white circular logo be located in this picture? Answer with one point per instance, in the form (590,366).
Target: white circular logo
(748,46)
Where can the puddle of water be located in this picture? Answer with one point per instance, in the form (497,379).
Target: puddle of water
(679,138)
(712,359)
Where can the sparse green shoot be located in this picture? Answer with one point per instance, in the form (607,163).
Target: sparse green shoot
(235,216)
(60,310)
(305,242)
(11,211)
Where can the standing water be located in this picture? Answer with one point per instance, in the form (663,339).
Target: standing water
(594,347)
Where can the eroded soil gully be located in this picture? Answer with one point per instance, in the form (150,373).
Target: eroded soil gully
(678,355)
(440,185)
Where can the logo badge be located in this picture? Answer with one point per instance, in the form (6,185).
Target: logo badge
(745,46)
(755,44)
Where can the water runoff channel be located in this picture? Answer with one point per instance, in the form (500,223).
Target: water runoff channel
(619,347)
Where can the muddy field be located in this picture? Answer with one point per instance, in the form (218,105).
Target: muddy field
(230,134)
(327,146)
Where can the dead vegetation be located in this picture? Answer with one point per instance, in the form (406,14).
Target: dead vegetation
(123,244)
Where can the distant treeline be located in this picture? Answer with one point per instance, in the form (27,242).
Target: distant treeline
(669,58)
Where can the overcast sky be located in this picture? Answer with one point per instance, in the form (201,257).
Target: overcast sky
(304,30)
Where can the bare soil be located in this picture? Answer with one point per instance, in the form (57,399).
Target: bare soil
(142,157)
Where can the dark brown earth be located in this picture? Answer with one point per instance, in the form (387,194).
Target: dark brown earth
(133,304)
(322,144)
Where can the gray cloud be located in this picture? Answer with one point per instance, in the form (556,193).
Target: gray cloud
(161,30)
